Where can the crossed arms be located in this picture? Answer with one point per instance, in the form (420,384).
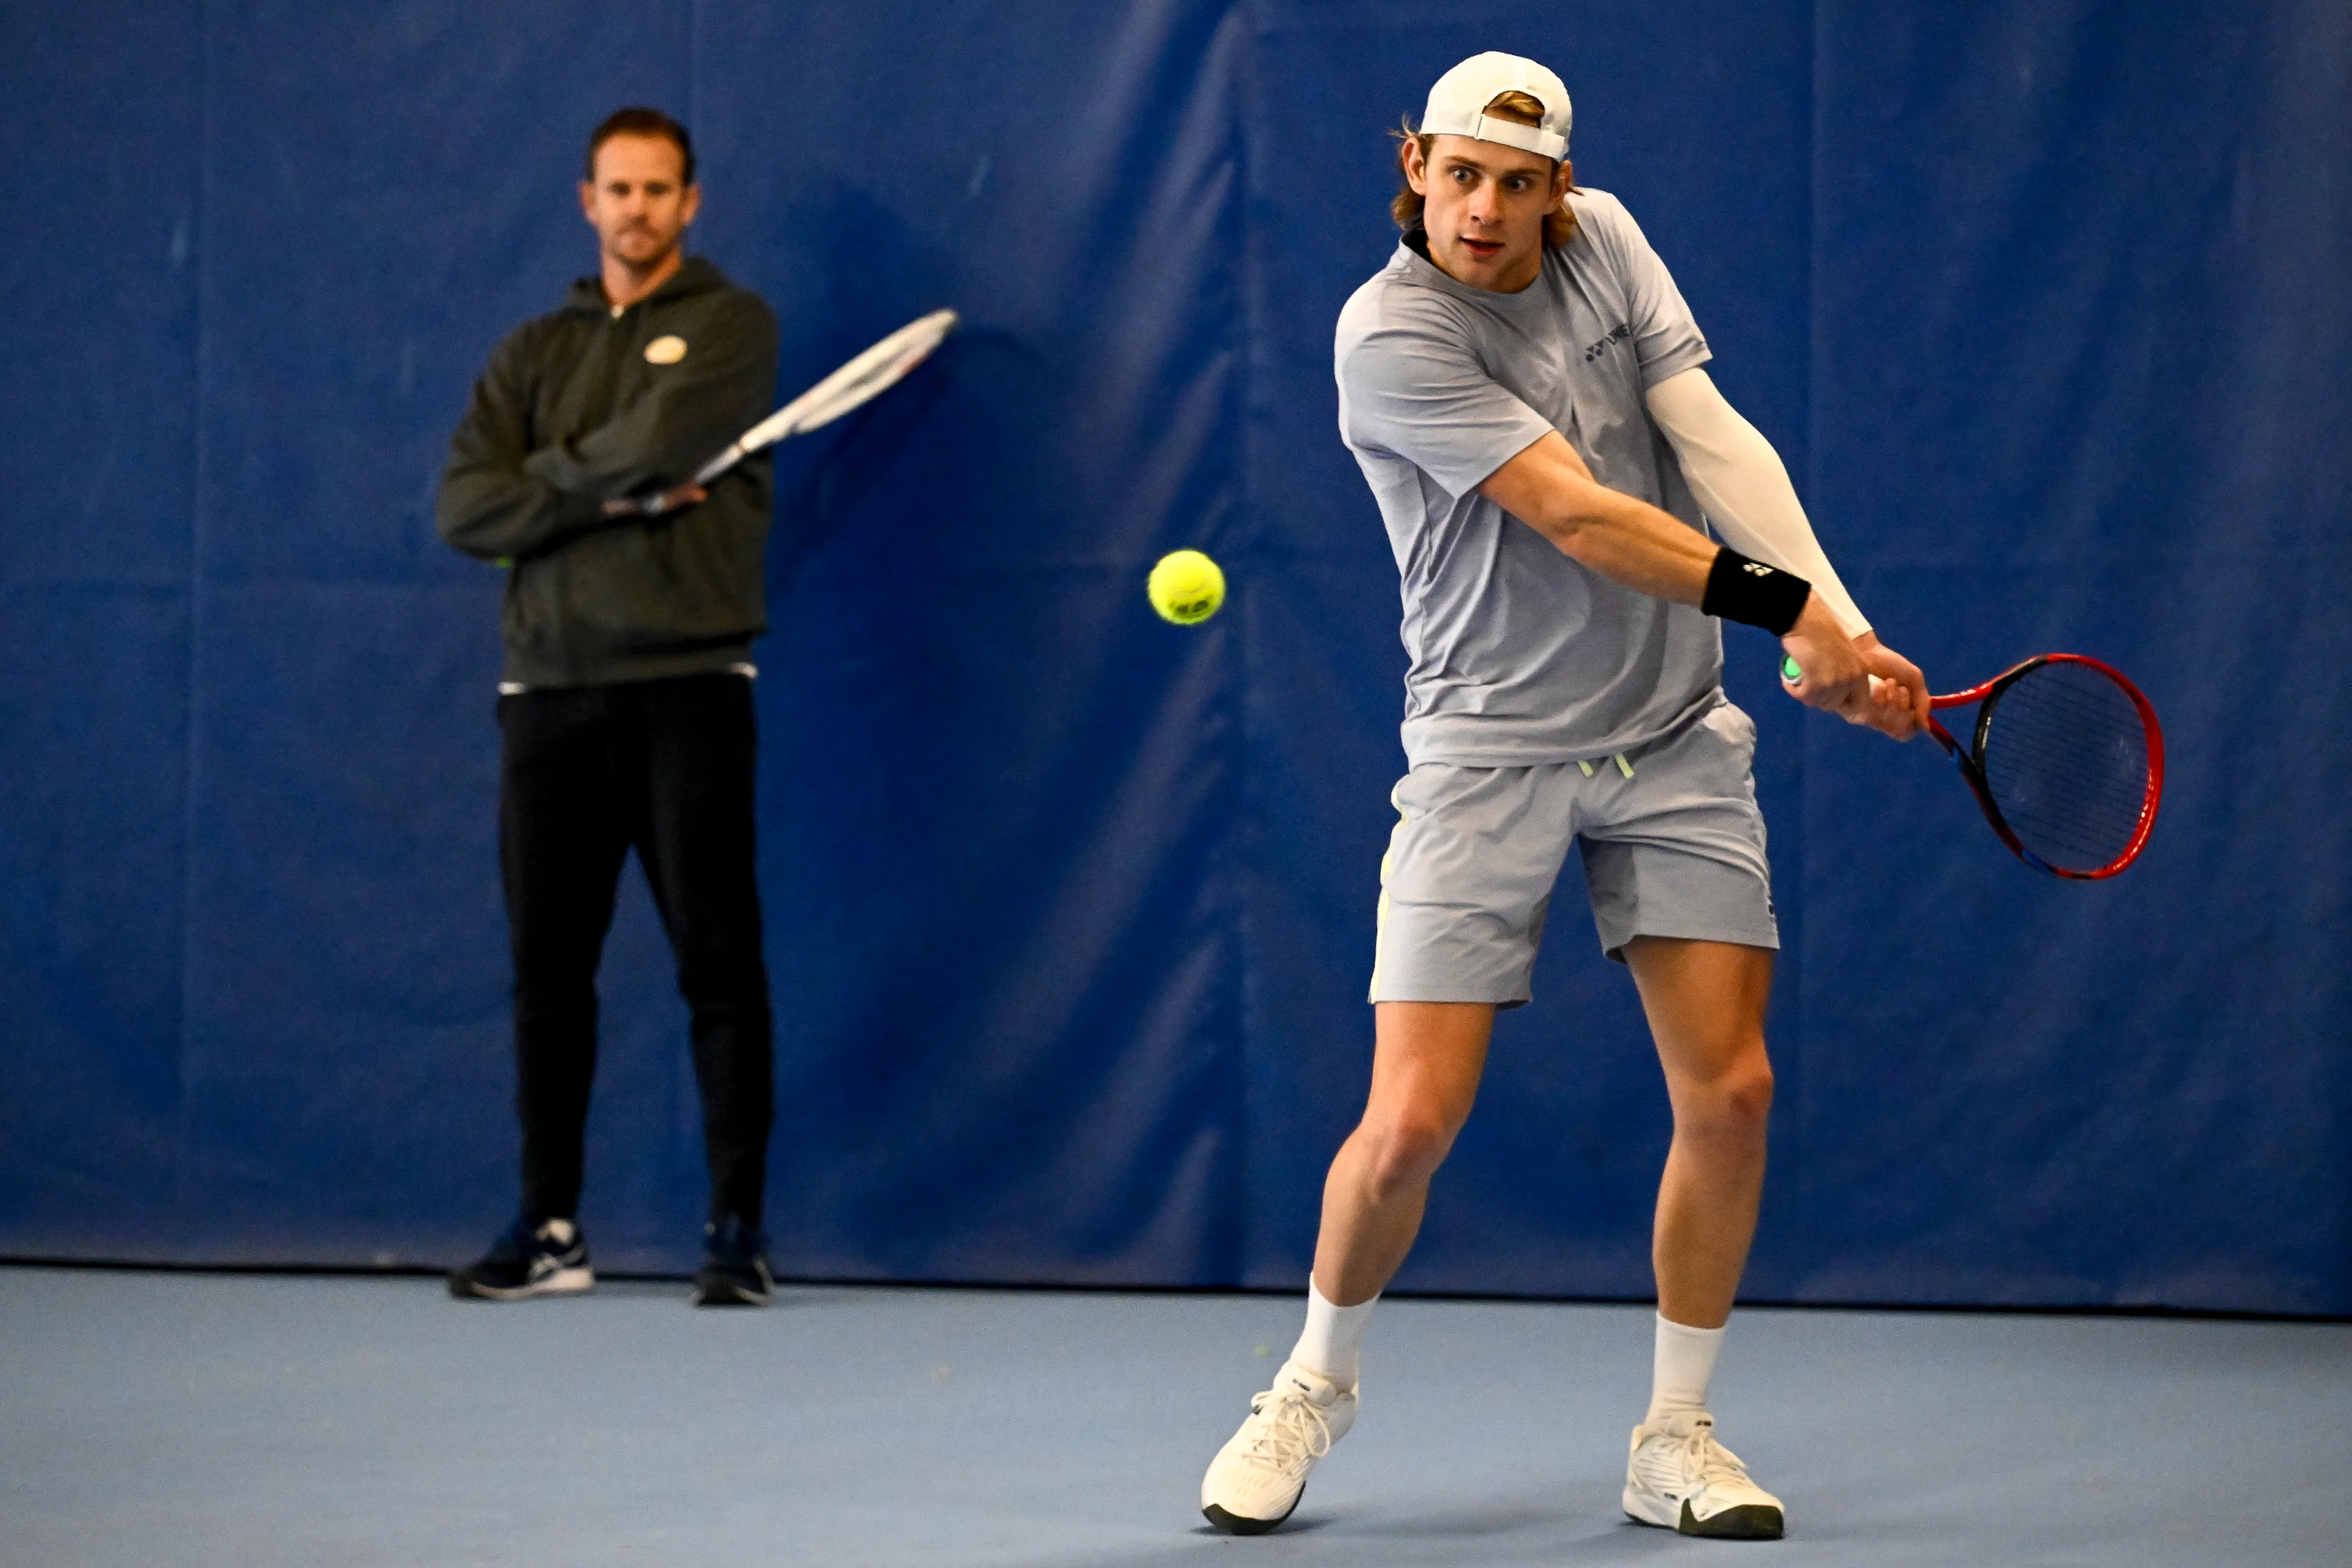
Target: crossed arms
(510,492)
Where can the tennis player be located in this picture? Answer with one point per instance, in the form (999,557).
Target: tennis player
(1522,387)
(632,598)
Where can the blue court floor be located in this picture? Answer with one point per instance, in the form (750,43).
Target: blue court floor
(165,1418)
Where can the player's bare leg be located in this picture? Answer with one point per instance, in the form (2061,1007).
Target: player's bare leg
(1705,1002)
(1426,1059)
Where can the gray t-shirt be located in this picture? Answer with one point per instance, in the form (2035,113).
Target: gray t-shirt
(1518,654)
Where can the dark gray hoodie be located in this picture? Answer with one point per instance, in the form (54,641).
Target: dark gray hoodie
(582,406)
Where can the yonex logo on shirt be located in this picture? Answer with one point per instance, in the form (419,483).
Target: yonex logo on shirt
(1594,350)
(1756,569)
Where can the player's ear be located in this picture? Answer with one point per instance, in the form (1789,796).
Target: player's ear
(689,205)
(588,200)
(1563,180)
(1415,167)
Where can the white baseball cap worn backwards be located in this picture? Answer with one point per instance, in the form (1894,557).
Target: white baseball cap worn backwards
(1457,104)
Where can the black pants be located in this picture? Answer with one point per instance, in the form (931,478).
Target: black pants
(664,765)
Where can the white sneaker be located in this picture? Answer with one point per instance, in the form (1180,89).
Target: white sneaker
(1678,1476)
(1255,1481)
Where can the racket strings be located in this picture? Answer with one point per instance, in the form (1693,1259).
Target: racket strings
(876,371)
(870,374)
(861,388)
(2065,757)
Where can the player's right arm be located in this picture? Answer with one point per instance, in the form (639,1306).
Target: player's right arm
(1410,385)
(490,506)
(1549,487)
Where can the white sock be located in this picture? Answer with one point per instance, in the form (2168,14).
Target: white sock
(1684,1361)
(1333,1341)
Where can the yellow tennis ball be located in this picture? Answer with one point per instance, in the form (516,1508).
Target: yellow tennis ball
(1186,587)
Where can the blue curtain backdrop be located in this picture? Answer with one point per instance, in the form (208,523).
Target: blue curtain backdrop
(1070,910)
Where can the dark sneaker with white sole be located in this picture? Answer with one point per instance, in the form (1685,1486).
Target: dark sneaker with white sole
(550,1258)
(734,1266)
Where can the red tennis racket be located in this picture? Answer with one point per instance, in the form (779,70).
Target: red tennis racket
(2066,759)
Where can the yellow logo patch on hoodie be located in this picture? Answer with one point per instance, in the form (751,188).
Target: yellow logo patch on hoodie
(668,348)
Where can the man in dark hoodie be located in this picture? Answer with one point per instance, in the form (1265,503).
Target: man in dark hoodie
(632,598)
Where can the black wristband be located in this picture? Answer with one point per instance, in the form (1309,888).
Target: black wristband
(1738,589)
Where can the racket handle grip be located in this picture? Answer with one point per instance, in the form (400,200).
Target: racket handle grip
(1792,672)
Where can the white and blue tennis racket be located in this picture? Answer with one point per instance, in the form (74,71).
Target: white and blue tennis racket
(854,384)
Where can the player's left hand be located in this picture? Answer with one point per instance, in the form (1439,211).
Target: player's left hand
(1899,692)
(1835,678)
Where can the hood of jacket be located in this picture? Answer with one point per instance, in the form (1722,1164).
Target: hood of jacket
(695,277)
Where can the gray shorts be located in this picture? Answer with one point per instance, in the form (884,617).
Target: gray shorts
(1675,850)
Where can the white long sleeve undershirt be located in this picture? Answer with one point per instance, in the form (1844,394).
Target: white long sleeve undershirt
(1744,488)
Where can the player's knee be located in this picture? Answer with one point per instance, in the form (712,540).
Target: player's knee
(1405,1150)
(1734,1103)
(1747,1097)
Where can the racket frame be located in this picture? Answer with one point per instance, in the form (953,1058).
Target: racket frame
(1969,759)
(875,371)
(872,373)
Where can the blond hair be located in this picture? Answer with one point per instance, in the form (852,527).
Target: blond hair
(1519,109)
